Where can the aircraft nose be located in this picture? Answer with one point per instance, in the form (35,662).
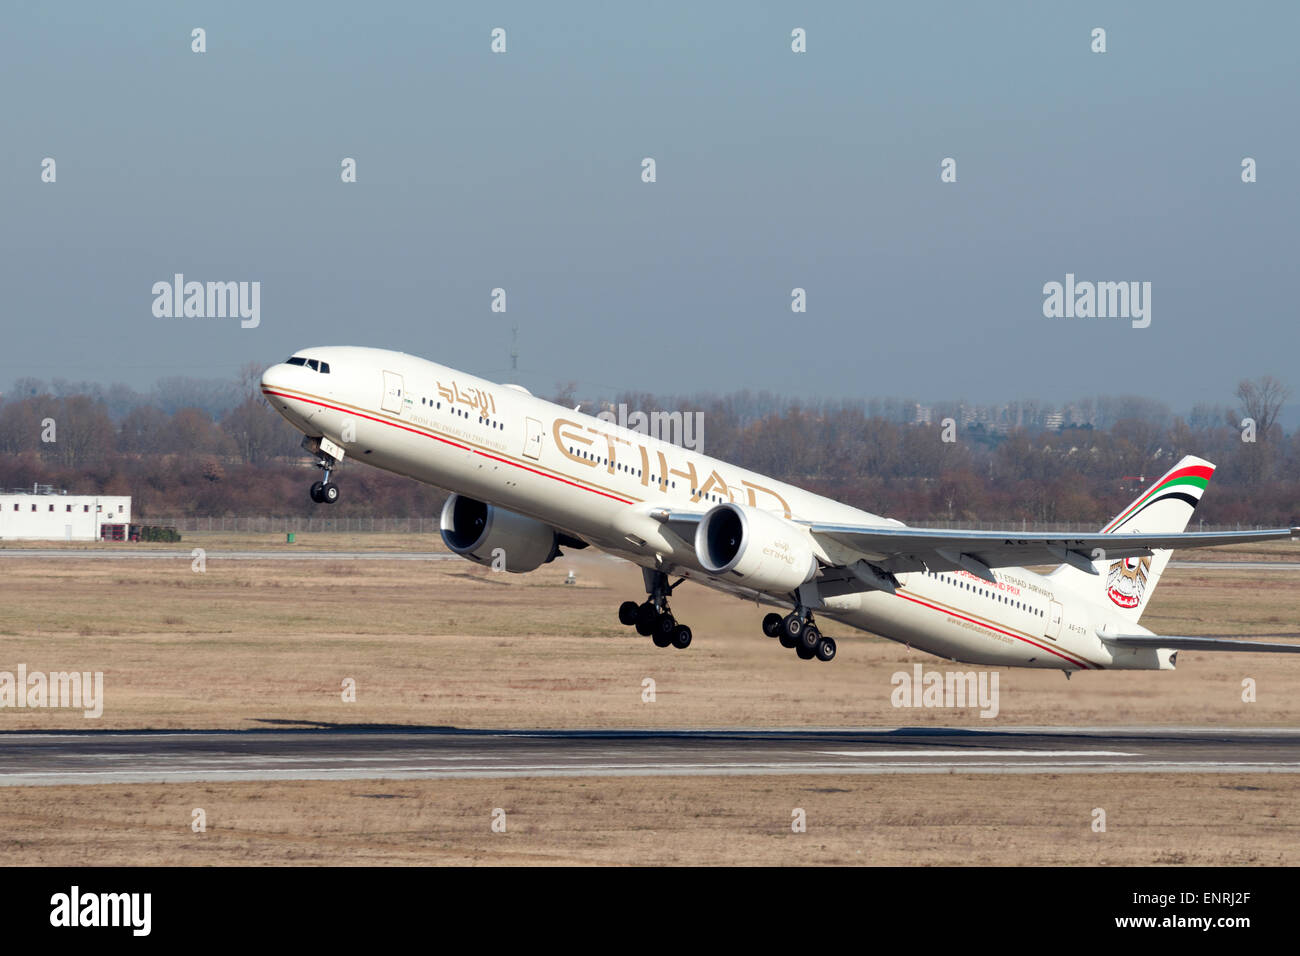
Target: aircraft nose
(274,377)
(278,384)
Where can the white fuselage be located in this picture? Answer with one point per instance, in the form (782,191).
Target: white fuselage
(599,482)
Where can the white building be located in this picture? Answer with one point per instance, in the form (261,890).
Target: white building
(57,516)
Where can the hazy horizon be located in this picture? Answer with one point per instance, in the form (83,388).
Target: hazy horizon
(1288,417)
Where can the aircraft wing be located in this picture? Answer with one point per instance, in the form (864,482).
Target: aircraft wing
(680,523)
(1197,643)
(896,549)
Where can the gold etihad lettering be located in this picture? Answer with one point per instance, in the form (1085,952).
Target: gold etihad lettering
(714,481)
(569,435)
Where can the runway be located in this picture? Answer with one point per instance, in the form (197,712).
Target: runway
(369,753)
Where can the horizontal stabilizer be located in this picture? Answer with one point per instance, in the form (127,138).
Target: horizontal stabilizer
(1198,643)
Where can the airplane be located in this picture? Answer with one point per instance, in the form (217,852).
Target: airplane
(528,477)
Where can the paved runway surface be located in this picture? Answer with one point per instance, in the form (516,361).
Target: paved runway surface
(360,753)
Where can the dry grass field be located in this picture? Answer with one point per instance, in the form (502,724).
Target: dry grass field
(1170,819)
(266,643)
(446,643)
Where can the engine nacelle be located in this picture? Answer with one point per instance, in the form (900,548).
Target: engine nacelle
(475,530)
(754,548)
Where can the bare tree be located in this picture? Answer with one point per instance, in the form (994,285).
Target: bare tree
(1262,400)
(250,380)
(83,432)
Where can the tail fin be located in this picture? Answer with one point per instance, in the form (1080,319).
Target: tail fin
(1166,506)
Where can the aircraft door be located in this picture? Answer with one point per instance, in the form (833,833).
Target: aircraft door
(392,393)
(1053,620)
(533,439)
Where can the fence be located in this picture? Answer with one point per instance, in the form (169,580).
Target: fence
(429,524)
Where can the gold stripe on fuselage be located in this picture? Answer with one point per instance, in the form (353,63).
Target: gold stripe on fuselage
(381,415)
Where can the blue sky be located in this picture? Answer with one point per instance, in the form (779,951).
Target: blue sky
(775,170)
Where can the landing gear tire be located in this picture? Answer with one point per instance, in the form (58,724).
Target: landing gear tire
(665,629)
(653,619)
(792,627)
(772,625)
(329,493)
(804,653)
(787,641)
(315,492)
(627,613)
(826,649)
(810,638)
(646,615)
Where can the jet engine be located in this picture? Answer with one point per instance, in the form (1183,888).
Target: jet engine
(479,532)
(754,548)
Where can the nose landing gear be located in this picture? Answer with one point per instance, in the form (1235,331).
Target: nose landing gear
(324,492)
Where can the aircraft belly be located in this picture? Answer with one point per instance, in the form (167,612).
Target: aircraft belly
(915,621)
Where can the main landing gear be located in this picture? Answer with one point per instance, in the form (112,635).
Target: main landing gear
(653,619)
(797,630)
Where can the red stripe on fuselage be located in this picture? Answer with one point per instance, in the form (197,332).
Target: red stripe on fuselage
(1080,663)
(445,441)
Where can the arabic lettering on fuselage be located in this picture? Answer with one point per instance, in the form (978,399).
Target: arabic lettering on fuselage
(481,401)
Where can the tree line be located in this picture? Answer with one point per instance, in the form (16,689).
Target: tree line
(204,448)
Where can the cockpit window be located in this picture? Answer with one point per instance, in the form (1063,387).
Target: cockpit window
(314,364)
